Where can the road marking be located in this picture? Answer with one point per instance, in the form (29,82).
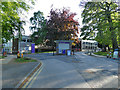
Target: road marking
(25,86)
(20,83)
(35,78)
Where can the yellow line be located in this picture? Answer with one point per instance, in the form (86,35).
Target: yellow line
(31,78)
(35,78)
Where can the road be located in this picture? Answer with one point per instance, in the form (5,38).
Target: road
(13,73)
(78,71)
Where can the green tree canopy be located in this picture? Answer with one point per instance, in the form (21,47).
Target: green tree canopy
(10,17)
(38,26)
(101,18)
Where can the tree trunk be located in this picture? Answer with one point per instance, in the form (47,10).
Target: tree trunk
(103,48)
(108,48)
(111,28)
(114,41)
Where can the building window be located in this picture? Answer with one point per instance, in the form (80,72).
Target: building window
(24,40)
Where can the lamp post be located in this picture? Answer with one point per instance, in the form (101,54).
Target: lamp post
(53,45)
(36,36)
(20,24)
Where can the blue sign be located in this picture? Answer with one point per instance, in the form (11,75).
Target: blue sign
(33,48)
(27,48)
(63,51)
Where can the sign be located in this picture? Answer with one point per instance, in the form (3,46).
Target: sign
(27,48)
(33,48)
(60,51)
(63,51)
(63,46)
(115,54)
(68,52)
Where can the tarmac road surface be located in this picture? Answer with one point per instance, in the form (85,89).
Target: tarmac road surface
(79,71)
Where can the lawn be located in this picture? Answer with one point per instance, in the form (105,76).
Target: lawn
(101,53)
(22,60)
(47,52)
(2,57)
(43,52)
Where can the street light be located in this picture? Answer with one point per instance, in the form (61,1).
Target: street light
(20,24)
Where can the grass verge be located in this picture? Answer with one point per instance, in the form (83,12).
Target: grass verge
(102,53)
(22,60)
(2,57)
(43,52)
(47,52)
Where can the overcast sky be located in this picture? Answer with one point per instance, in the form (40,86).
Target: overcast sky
(45,6)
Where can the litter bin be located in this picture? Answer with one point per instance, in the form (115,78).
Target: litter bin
(115,54)
(68,52)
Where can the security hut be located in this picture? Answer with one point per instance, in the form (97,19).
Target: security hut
(64,47)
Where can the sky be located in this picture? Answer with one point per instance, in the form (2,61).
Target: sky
(45,7)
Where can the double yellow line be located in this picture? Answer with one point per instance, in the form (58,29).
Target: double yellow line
(33,78)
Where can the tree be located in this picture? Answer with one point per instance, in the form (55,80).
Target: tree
(61,25)
(101,17)
(10,18)
(38,27)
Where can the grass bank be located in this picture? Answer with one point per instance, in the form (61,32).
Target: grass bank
(2,57)
(102,53)
(22,60)
(48,52)
(43,52)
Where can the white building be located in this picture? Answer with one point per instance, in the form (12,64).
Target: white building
(89,44)
(8,46)
(25,44)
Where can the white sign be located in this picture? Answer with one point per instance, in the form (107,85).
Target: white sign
(68,52)
(63,46)
(115,54)
(60,51)
(27,48)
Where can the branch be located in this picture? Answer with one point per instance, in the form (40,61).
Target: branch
(101,6)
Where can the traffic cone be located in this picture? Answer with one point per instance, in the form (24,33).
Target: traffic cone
(110,55)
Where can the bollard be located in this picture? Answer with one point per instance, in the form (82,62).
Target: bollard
(110,54)
(107,55)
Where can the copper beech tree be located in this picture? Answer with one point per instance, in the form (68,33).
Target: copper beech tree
(61,25)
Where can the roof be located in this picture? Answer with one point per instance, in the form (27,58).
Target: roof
(91,41)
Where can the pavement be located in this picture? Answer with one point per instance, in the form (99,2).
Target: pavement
(7,59)
(13,73)
(110,59)
(78,71)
